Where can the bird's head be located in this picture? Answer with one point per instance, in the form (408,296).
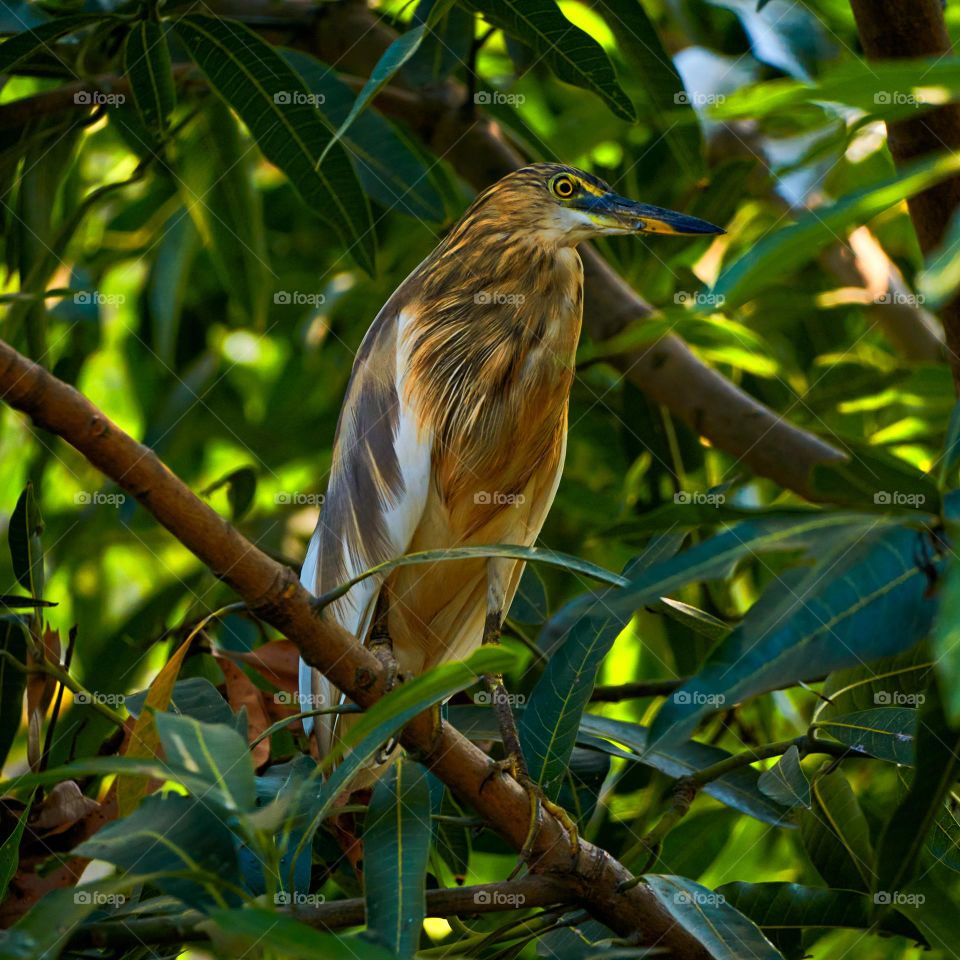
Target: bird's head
(564,206)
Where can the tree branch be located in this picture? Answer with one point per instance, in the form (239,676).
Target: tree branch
(888,30)
(593,877)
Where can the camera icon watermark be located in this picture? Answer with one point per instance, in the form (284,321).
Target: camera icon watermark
(498,498)
(483,698)
(699,298)
(896,898)
(499,299)
(96,98)
(698,497)
(96,498)
(897,698)
(684,98)
(297,499)
(98,898)
(899,297)
(294,698)
(895,498)
(298,298)
(90,697)
(285,899)
(697,698)
(700,899)
(498,898)
(486,98)
(295,98)
(95,297)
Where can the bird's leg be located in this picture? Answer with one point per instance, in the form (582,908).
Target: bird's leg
(513,761)
(381,646)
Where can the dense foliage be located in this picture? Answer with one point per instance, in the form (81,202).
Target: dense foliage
(749,697)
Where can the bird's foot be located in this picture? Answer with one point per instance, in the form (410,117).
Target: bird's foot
(436,732)
(516,768)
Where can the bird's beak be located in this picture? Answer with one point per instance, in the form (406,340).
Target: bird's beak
(615,214)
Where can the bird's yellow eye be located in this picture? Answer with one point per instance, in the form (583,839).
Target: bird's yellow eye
(563,187)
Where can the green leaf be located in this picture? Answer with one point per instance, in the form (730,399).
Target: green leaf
(216,181)
(725,932)
(392,60)
(937,767)
(782,251)
(951,445)
(276,107)
(883,732)
(786,782)
(574,56)
(146,62)
(836,836)
(13,682)
(214,753)
(10,850)
(672,113)
(170,278)
(23,537)
(737,789)
(169,833)
(944,841)
(870,601)
(250,932)
(391,171)
(551,720)
(945,640)
(692,846)
(23,45)
(531,554)
(396,847)
(783,906)
(241,487)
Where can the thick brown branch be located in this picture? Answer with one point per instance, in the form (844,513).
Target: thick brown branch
(889,30)
(593,878)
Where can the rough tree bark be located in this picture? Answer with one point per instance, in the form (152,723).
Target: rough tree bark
(273,593)
(891,29)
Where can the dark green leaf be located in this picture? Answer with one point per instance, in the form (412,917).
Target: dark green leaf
(672,113)
(836,836)
(396,847)
(23,536)
(215,753)
(870,602)
(169,833)
(13,682)
(725,932)
(883,732)
(937,767)
(391,171)
(273,102)
(10,851)
(945,639)
(194,697)
(146,62)
(573,55)
(786,782)
(23,45)
(241,487)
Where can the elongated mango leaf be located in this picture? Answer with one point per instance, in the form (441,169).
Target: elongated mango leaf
(251,931)
(883,732)
(672,113)
(781,252)
(551,720)
(725,932)
(944,841)
(276,107)
(10,850)
(396,848)
(870,602)
(392,60)
(169,833)
(937,767)
(144,738)
(23,538)
(836,835)
(786,782)
(391,171)
(535,554)
(146,62)
(574,56)
(23,45)
(781,906)
(216,753)
(737,789)
(13,682)
(388,715)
